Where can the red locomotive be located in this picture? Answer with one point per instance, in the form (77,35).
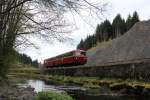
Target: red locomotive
(75,57)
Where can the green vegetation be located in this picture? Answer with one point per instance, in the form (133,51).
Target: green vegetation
(106,31)
(17,70)
(25,59)
(52,96)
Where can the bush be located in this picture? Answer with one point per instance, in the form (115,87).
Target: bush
(52,96)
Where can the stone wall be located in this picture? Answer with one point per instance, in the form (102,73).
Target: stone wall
(140,71)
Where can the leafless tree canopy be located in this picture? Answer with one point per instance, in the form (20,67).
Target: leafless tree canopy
(42,18)
(45,19)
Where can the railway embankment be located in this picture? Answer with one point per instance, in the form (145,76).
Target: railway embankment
(139,71)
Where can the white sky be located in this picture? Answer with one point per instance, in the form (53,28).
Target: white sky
(124,7)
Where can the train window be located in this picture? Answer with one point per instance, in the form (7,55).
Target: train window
(83,53)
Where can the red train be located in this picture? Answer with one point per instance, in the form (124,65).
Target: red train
(75,57)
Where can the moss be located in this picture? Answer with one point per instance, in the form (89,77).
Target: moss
(119,86)
(52,96)
(90,85)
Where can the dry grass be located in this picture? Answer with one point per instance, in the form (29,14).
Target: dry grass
(101,45)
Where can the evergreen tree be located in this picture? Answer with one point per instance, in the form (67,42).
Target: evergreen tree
(94,40)
(107,30)
(135,17)
(132,20)
(129,22)
(35,63)
(118,25)
(25,59)
(81,45)
(123,27)
(88,42)
(99,33)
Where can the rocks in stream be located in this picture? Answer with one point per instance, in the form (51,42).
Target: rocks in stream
(133,91)
(123,89)
(16,93)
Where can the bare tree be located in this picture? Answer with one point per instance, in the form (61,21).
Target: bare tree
(10,17)
(41,18)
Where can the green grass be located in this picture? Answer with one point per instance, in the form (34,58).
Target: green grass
(52,96)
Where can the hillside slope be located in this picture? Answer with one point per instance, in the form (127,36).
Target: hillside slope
(133,45)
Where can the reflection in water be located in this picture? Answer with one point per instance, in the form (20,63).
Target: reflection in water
(39,86)
(36,84)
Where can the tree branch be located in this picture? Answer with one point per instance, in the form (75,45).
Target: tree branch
(19,4)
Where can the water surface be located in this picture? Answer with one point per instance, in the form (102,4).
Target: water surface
(39,86)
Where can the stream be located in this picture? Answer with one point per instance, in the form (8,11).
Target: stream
(79,93)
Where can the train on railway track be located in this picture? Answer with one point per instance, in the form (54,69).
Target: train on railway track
(72,58)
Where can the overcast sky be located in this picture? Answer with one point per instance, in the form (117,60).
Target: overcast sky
(124,7)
